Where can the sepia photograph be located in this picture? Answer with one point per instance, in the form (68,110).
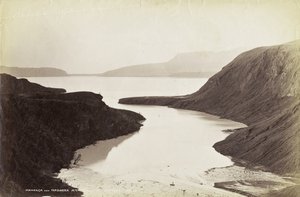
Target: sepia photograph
(149,98)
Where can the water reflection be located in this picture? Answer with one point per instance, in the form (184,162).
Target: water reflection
(100,150)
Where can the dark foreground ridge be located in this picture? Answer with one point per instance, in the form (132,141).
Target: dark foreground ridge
(42,127)
(260,88)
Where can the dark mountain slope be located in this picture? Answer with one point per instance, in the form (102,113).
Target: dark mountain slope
(261,88)
(42,127)
(10,85)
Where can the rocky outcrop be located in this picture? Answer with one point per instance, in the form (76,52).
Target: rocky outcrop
(42,127)
(10,85)
(260,88)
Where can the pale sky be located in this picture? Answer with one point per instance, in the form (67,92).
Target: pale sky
(88,36)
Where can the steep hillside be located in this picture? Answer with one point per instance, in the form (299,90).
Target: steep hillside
(196,64)
(293,191)
(261,88)
(42,127)
(32,72)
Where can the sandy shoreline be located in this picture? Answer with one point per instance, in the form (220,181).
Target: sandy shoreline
(231,181)
(94,184)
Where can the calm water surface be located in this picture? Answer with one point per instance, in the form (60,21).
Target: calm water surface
(173,144)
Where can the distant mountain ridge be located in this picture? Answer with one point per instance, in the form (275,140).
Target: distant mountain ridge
(194,64)
(33,72)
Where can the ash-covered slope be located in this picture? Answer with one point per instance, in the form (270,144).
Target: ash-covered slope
(293,191)
(41,128)
(261,88)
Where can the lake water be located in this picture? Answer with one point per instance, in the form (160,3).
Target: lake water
(170,151)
